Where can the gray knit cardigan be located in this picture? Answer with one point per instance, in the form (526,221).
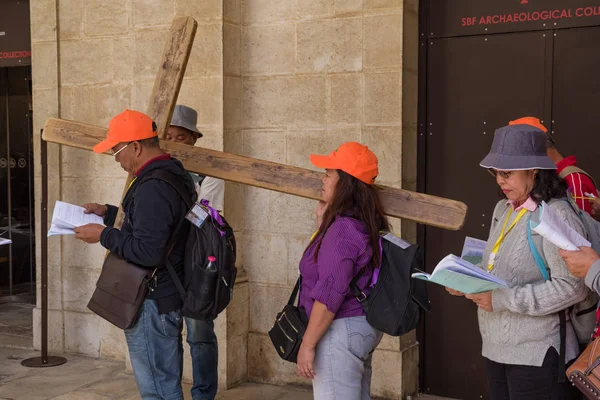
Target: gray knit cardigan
(524,323)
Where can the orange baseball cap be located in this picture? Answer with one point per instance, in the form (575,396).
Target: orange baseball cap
(127,126)
(532,121)
(352,158)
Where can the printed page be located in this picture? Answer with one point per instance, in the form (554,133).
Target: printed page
(458,265)
(70,216)
(56,230)
(553,228)
(464,283)
(458,274)
(473,250)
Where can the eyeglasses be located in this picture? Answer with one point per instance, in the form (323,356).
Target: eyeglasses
(503,174)
(120,150)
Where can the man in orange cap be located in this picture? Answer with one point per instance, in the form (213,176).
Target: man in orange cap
(581,184)
(153,210)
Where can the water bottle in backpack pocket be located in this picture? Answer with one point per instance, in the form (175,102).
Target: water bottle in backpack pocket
(200,296)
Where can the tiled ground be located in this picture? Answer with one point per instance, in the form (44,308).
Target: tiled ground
(85,378)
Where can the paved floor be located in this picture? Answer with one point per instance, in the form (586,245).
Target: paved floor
(85,378)
(16,325)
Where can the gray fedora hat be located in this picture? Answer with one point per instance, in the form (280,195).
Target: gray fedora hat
(186,117)
(518,147)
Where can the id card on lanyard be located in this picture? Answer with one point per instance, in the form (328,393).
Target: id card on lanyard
(502,236)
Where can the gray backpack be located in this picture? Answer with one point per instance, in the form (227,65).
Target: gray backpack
(582,315)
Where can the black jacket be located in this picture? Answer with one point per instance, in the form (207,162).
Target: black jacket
(153,210)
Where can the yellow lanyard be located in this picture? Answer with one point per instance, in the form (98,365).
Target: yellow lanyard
(503,235)
(131,183)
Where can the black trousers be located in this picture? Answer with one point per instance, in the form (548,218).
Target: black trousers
(520,382)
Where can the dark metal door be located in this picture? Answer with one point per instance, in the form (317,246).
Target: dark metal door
(474,85)
(576,96)
(17,261)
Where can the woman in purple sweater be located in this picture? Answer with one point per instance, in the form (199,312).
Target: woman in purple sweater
(338,344)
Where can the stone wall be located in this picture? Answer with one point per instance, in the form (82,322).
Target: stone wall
(275,80)
(316,74)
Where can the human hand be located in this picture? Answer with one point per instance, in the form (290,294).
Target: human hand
(454,292)
(595,208)
(579,262)
(95,208)
(304,363)
(483,300)
(89,233)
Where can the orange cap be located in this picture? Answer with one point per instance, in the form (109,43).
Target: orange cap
(352,158)
(127,126)
(532,121)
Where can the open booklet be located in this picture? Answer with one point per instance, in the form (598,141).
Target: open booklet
(66,217)
(461,275)
(553,228)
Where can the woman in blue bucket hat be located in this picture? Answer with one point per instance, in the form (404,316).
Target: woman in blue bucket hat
(520,325)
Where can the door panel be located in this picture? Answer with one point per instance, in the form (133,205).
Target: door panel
(576,96)
(17,274)
(474,85)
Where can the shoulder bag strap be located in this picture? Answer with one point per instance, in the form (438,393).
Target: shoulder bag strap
(294,294)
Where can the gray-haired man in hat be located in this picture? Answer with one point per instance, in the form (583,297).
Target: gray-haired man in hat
(200,334)
(183,130)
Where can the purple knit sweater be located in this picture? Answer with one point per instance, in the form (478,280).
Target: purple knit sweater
(344,252)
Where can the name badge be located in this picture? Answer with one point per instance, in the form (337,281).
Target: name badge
(403,244)
(197,215)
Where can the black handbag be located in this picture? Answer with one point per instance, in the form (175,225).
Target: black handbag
(289,327)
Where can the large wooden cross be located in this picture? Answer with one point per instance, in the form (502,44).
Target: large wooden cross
(419,207)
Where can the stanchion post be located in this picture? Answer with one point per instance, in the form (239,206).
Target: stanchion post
(44,360)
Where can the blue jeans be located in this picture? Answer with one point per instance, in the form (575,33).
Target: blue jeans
(343,360)
(156,352)
(205,356)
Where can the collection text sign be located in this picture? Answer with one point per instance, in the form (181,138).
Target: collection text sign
(480,17)
(15,38)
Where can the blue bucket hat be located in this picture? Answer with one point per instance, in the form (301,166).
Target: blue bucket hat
(518,147)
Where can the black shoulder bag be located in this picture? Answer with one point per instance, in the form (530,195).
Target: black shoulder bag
(289,327)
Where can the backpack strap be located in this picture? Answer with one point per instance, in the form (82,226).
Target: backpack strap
(180,188)
(175,182)
(539,260)
(571,169)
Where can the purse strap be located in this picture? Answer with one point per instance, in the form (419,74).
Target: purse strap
(294,294)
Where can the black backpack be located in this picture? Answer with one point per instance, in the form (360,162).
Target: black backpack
(397,301)
(204,293)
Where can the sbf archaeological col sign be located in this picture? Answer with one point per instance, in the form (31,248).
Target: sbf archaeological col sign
(477,17)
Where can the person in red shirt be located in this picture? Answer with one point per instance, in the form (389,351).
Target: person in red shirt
(580,183)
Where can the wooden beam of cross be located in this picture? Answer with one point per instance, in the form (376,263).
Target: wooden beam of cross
(176,54)
(419,207)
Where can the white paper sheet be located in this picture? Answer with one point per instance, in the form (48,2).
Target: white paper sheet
(5,241)
(549,224)
(67,216)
